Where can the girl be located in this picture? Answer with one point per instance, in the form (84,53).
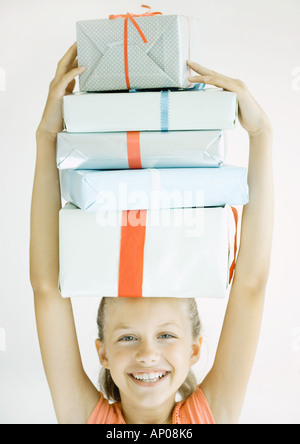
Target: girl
(147,346)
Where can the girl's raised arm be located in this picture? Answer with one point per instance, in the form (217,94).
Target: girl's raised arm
(226,384)
(73,394)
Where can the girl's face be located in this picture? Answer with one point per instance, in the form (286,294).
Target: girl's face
(148,348)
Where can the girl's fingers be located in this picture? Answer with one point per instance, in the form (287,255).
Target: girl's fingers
(208,76)
(220,81)
(200,69)
(251,116)
(75,64)
(59,87)
(200,79)
(71,85)
(211,77)
(66,63)
(213,80)
(58,78)
(69,76)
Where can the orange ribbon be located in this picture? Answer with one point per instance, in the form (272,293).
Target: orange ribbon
(232,268)
(134,150)
(131,17)
(131,262)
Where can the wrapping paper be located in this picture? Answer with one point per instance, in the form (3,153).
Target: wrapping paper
(155,188)
(101,151)
(156,58)
(191,110)
(159,253)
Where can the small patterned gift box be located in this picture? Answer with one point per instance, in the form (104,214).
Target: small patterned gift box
(136,51)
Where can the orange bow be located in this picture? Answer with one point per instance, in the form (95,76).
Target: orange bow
(131,17)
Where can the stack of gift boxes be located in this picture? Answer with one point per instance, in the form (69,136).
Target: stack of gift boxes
(150,203)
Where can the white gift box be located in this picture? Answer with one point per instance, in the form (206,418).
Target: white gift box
(141,189)
(191,110)
(129,150)
(156,253)
(152,55)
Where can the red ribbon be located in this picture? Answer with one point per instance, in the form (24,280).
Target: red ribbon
(127,17)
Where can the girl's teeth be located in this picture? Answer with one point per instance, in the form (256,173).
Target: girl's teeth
(152,377)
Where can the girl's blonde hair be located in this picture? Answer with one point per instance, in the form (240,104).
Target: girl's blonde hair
(107,385)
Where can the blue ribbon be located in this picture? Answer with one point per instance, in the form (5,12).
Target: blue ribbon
(199,86)
(164,105)
(164,108)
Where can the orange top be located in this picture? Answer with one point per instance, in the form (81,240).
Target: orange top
(194,410)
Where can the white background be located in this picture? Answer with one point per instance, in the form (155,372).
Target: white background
(255,40)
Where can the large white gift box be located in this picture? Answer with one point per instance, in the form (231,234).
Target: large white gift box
(191,110)
(134,150)
(146,51)
(144,189)
(181,253)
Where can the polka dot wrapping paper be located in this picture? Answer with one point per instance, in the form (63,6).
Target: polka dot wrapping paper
(156,61)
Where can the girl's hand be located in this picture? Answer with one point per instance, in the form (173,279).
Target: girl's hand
(62,84)
(251,116)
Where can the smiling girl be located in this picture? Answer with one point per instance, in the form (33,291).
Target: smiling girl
(146,360)
(148,346)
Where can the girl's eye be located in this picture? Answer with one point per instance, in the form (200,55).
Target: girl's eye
(167,336)
(127,339)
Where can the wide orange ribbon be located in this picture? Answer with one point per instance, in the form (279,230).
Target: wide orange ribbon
(127,17)
(131,262)
(134,150)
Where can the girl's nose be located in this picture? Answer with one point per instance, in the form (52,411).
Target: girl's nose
(147,353)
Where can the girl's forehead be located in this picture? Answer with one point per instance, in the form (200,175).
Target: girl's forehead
(147,304)
(157,311)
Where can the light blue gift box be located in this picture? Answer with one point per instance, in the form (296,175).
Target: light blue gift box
(118,190)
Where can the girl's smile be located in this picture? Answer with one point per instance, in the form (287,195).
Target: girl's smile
(149,379)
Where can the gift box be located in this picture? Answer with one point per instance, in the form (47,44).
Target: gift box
(143,52)
(156,253)
(210,109)
(134,150)
(155,188)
